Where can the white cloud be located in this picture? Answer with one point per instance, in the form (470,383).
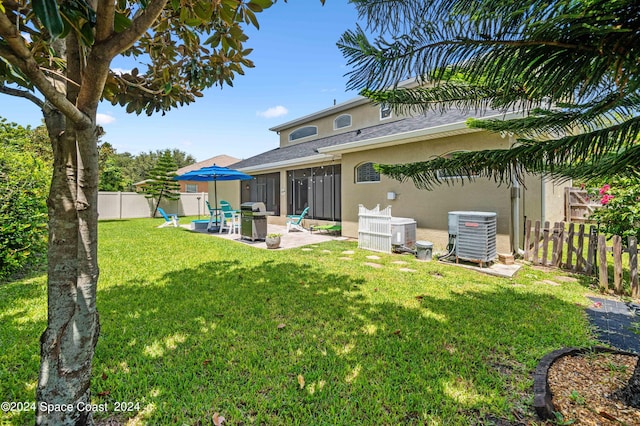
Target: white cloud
(103,119)
(277,111)
(120,71)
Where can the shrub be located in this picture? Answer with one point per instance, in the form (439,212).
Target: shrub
(24,182)
(620,212)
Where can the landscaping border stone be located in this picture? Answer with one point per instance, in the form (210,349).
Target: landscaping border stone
(542,396)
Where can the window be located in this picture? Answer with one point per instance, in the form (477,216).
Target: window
(366,173)
(442,174)
(303,132)
(264,188)
(316,187)
(385,111)
(341,121)
(191,187)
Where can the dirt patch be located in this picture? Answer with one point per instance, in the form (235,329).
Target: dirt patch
(581,385)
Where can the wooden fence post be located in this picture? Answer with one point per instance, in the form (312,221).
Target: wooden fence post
(545,244)
(633,266)
(579,249)
(602,254)
(536,243)
(591,251)
(527,240)
(570,234)
(556,253)
(617,264)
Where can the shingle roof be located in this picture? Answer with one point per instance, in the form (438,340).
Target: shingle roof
(309,149)
(219,160)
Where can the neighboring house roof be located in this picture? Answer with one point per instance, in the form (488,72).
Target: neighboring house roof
(428,126)
(218,160)
(142,182)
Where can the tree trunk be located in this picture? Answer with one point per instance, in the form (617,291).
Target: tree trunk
(68,343)
(630,394)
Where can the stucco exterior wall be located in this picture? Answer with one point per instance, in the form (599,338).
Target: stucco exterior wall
(429,208)
(228,191)
(361,116)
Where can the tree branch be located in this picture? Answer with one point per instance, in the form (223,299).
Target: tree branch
(22,94)
(119,42)
(105,12)
(102,53)
(20,56)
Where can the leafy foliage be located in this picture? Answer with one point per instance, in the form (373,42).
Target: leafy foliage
(24,180)
(620,212)
(120,171)
(111,178)
(192,46)
(570,67)
(161,183)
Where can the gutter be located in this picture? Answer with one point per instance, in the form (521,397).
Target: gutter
(400,138)
(435,132)
(318,158)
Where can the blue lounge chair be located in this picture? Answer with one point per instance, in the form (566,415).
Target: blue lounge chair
(295,221)
(171,219)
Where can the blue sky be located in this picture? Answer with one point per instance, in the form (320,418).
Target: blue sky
(298,70)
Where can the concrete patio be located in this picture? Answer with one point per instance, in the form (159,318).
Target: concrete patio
(288,240)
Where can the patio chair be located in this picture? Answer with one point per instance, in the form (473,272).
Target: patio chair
(169,219)
(295,221)
(214,218)
(334,229)
(229,219)
(209,206)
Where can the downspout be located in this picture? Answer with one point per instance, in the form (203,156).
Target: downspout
(515,216)
(515,209)
(543,201)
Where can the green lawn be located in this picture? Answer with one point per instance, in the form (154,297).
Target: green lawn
(193,325)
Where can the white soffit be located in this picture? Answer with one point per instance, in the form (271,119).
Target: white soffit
(319,158)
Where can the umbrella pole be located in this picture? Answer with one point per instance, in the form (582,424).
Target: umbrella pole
(215,206)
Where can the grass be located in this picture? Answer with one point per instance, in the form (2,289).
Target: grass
(193,325)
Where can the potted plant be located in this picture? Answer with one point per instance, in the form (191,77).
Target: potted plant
(273,240)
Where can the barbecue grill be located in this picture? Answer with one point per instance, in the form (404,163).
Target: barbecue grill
(253,220)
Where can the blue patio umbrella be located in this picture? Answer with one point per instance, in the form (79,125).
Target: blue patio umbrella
(213,173)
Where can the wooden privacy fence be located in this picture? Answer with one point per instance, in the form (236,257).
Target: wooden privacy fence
(578,205)
(582,251)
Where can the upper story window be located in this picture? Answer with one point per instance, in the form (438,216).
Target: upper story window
(366,173)
(191,187)
(341,121)
(303,132)
(385,111)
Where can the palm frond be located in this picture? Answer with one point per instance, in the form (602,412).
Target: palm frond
(572,67)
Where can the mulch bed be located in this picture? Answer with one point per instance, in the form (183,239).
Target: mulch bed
(581,385)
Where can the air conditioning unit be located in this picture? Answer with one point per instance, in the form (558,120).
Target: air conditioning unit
(403,232)
(474,235)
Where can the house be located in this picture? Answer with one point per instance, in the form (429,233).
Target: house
(197,186)
(325,161)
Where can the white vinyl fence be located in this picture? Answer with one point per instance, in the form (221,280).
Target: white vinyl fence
(374,228)
(129,205)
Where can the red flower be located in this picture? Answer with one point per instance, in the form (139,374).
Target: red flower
(605,199)
(604,189)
